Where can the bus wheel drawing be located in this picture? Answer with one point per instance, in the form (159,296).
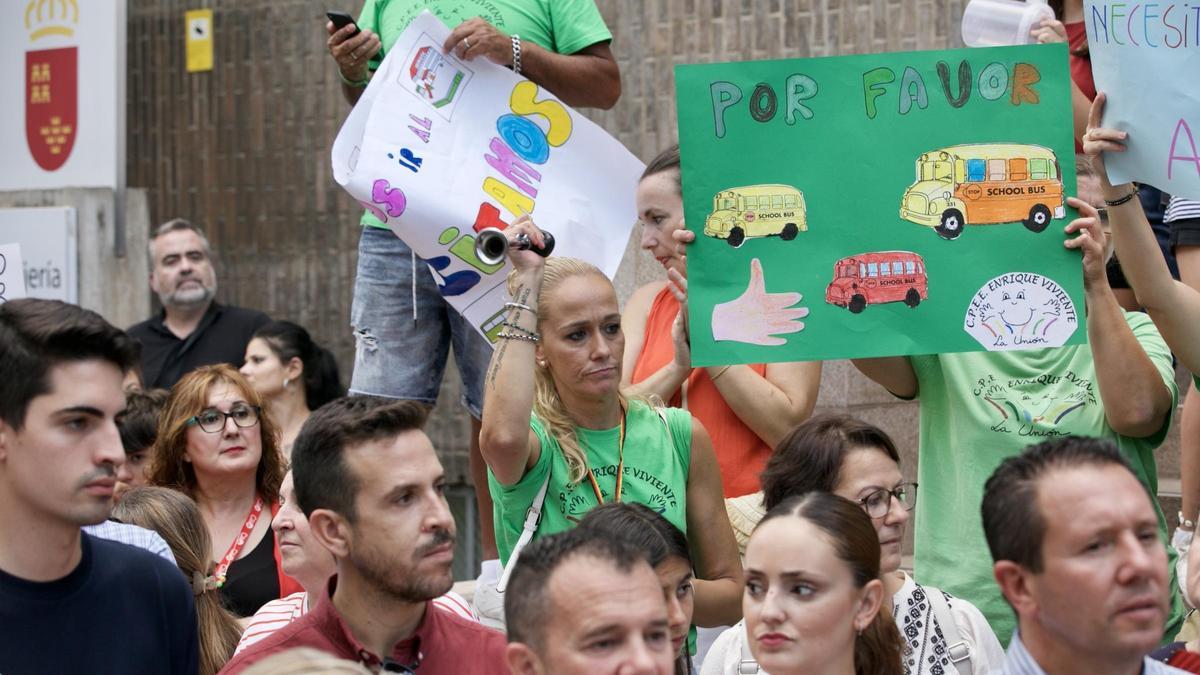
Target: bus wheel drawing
(912,298)
(736,236)
(951,225)
(789,232)
(1039,218)
(857,304)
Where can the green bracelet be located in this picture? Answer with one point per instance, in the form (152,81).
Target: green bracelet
(355,83)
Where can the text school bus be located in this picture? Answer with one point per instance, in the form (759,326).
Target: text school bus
(876,278)
(984,184)
(756,211)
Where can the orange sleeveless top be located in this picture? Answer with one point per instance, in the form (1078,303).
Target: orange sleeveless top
(741,454)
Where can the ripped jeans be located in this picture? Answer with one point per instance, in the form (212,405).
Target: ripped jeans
(396,354)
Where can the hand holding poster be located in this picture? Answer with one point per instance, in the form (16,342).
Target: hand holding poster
(440,148)
(1146,59)
(879,205)
(12,273)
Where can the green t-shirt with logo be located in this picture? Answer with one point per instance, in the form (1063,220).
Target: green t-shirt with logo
(655,474)
(978,409)
(560,26)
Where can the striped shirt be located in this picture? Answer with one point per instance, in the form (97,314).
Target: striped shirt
(133,536)
(1181,209)
(279,613)
(1020,662)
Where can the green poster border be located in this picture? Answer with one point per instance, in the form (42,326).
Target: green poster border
(853,171)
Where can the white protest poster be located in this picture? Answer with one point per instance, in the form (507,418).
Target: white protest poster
(440,148)
(12,276)
(1146,59)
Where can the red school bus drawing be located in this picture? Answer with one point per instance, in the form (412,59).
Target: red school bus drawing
(876,278)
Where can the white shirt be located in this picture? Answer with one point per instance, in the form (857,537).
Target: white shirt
(133,536)
(1021,662)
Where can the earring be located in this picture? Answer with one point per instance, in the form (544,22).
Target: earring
(286,382)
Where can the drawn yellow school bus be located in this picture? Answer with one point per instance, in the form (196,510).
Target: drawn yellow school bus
(984,184)
(756,211)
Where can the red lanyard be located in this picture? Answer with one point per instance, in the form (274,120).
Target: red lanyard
(620,466)
(235,549)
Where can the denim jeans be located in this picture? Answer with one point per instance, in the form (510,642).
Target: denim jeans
(400,353)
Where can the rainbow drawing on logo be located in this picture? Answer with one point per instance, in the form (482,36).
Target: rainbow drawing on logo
(1053,412)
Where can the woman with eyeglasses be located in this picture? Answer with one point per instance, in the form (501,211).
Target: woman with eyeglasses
(217,446)
(858,461)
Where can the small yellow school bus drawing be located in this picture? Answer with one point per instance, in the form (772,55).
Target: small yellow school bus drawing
(984,184)
(756,211)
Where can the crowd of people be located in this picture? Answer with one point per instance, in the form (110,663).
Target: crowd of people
(199,494)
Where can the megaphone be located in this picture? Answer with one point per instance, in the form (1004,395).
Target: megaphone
(491,245)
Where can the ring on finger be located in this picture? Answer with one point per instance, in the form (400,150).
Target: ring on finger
(467,42)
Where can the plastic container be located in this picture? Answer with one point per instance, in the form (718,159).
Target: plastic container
(997,23)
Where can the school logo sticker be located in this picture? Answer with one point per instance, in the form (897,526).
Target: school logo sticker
(51,83)
(436,78)
(1021,310)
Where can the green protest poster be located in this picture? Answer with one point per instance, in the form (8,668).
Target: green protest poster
(878,205)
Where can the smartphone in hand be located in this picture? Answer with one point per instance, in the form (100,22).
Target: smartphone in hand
(341,20)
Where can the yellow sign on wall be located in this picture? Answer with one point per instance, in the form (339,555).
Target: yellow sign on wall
(199,31)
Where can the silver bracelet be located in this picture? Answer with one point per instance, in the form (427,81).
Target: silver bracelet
(516,40)
(517,305)
(532,337)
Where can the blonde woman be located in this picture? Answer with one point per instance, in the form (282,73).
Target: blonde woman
(554,416)
(177,520)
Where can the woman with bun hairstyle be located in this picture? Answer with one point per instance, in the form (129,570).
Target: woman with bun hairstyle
(293,375)
(858,461)
(813,600)
(746,409)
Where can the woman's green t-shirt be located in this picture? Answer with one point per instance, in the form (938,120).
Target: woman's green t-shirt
(656,473)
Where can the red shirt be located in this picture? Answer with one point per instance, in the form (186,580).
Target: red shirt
(1081,65)
(443,643)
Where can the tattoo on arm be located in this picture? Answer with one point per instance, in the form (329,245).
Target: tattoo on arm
(522,296)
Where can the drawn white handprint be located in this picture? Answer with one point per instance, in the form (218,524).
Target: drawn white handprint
(756,317)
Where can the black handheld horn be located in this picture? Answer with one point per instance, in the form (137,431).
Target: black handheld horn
(491,245)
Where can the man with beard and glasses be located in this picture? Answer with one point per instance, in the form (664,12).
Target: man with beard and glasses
(69,602)
(193,329)
(368,480)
